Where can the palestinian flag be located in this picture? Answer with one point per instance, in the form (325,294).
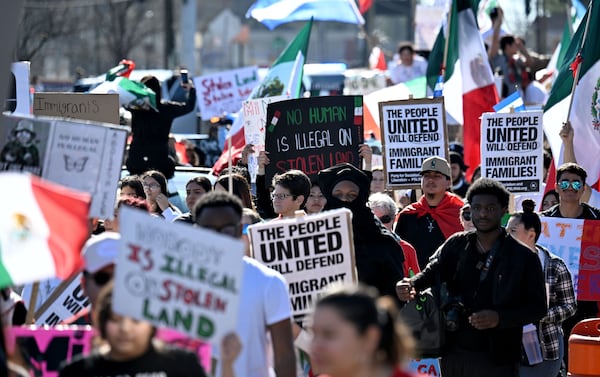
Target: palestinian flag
(132,94)
(468,82)
(43,227)
(284,78)
(582,54)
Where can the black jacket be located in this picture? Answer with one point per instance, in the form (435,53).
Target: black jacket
(518,292)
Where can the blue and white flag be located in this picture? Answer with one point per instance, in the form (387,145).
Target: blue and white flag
(273,13)
(514,101)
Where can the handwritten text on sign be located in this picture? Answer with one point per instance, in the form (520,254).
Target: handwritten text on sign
(576,242)
(176,276)
(224,92)
(511,149)
(311,252)
(412,131)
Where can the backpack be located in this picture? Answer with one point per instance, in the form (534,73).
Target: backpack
(425,318)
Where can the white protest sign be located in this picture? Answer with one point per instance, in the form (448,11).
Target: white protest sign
(20,70)
(512,150)
(309,251)
(254,113)
(66,305)
(576,242)
(87,157)
(176,276)
(224,92)
(362,82)
(411,131)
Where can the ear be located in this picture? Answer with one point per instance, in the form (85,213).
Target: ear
(372,337)
(299,200)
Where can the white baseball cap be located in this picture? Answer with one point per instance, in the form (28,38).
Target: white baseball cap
(101,251)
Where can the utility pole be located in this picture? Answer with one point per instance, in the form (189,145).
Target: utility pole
(169,35)
(187,25)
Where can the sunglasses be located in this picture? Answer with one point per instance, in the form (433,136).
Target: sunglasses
(101,278)
(466,216)
(575,185)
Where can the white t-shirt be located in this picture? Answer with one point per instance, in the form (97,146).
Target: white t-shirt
(402,73)
(264,300)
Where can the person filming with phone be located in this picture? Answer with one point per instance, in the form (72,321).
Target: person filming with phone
(150,129)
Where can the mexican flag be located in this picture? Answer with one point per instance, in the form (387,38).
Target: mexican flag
(583,54)
(284,78)
(468,82)
(43,227)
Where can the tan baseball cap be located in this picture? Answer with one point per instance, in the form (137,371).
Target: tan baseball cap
(436,164)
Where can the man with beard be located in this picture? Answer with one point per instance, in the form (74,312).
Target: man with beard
(427,223)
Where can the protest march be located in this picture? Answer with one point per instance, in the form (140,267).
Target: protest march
(436,214)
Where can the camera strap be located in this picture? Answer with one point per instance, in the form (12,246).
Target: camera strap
(490,258)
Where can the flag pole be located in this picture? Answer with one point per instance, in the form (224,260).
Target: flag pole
(229,163)
(446,34)
(578,60)
(438,90)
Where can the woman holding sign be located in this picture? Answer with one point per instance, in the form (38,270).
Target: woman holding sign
(355,334)
(526,227)
(378,255)
(130,349)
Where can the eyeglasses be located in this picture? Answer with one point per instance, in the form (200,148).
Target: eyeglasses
(466,216)
(151,186)
(280,196)
(385,219)
(575,185)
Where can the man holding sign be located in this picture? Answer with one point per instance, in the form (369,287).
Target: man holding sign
(264,300)
(570,182)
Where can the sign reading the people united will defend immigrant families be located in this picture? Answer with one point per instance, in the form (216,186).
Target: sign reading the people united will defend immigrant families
(177,276)
(411,131)
(511,149)
(311,134)
(309,251)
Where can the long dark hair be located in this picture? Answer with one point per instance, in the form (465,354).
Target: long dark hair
(529,218)
(359,305)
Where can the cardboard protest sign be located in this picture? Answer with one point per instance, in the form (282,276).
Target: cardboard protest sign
(512,150)
(309,251)
(86,106)
(576,242)
(44,349)
(79,155)
(311,134)
(411,131)
(176,276)
(224,92)
(254,113)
